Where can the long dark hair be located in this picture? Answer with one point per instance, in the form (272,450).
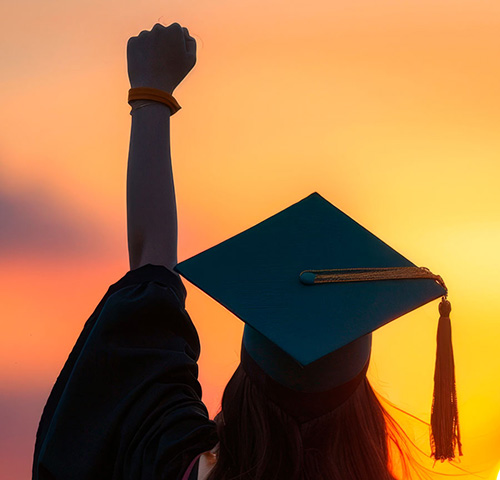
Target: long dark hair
(259,441)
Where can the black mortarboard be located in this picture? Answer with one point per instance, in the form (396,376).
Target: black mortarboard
(311,284)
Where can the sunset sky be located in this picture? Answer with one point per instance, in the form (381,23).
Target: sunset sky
(389,109)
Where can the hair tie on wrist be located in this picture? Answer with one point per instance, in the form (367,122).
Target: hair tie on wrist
(147,93)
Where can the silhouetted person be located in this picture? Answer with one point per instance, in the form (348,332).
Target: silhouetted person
(127,404)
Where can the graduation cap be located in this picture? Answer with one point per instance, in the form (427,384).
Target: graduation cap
(311,284)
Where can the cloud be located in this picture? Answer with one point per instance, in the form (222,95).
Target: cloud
(37,222)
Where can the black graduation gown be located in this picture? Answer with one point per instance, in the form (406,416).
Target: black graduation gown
(127,403)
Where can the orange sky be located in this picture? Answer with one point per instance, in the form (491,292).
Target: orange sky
(388,109)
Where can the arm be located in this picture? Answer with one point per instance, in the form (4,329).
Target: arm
(151,208)
(160,59)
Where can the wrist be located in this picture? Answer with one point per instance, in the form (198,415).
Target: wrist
(150,94)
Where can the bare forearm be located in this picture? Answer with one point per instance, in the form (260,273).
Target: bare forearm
(151,207)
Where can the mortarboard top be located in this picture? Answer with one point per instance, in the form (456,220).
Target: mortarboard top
(311,285)
(256,276)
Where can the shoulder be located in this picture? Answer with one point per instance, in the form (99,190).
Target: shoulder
(129,390)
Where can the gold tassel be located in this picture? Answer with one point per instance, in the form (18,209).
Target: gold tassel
(445,429)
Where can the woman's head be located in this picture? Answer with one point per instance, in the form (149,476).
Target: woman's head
(258,440)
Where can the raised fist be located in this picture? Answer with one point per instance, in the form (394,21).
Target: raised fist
(160,58)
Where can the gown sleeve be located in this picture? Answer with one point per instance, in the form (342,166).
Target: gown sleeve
(127,403)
